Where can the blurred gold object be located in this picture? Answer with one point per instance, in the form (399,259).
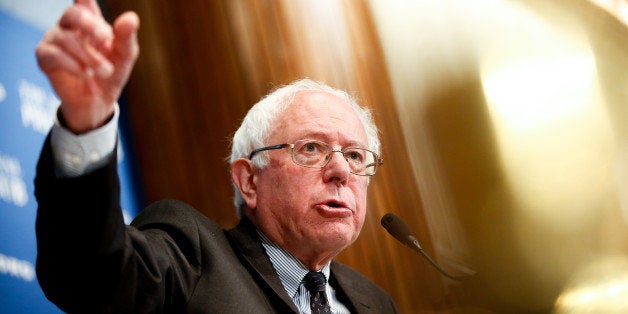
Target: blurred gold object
(601,287)
(514,114)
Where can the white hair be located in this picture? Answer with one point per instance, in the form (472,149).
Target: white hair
(258,124)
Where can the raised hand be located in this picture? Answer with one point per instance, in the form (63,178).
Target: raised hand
(88,62)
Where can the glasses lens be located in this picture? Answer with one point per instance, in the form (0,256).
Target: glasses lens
(310,153)
(361,161)
(315,154)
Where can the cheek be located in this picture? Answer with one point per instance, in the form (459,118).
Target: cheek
(281,188)
(360,193)
(359,188)
(361,213)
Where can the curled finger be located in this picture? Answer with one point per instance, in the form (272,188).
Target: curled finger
(70,43)
(75,46)
(52,58)
(100,64)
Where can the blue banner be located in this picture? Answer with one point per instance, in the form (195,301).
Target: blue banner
(27,108)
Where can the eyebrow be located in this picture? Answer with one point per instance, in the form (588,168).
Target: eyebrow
(320,136)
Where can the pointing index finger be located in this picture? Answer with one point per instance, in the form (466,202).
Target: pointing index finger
(92,5)
(93,27)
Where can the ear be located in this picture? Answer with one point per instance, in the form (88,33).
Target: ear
(244,177)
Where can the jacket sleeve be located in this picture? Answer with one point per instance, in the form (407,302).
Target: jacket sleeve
(90,261)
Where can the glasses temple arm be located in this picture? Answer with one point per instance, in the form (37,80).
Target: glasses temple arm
(255,151)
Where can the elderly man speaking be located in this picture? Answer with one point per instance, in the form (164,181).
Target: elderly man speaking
(301,163)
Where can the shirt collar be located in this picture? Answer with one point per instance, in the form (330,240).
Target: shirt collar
(290,270)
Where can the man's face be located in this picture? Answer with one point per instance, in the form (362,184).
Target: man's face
(310,211)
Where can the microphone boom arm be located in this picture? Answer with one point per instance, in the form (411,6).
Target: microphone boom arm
(400,231)
(417,247)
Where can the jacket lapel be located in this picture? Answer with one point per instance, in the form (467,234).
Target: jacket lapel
(245,238)
(352,294)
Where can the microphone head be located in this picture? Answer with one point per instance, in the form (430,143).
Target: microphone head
(397,228)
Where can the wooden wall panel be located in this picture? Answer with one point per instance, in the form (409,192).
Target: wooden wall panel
(204,63)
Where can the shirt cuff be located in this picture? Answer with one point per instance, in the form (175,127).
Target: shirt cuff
(75,155)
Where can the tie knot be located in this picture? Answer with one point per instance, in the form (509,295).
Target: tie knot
(315,282)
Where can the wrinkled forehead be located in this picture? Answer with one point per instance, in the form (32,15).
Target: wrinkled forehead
(319,115)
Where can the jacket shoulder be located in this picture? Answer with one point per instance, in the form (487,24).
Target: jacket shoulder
(174,213)
(364,294)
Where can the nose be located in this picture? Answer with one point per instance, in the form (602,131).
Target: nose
(337,169)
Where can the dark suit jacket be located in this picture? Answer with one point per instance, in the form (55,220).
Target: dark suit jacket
(172,258)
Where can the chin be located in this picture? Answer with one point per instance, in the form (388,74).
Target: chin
(340,238)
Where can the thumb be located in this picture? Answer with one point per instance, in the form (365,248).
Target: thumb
(125,46)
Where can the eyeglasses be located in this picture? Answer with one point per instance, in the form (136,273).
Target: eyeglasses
(316,154)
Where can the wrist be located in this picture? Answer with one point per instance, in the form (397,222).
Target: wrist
(83,122)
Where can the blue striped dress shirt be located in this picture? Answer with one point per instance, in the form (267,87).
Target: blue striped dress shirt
(291,272)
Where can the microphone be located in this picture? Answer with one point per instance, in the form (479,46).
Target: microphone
(400,230)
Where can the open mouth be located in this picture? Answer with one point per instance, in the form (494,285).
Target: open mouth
(333,204)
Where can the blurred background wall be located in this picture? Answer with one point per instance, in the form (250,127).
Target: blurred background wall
(503,125)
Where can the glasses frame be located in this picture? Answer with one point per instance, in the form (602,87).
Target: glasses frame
(376,164)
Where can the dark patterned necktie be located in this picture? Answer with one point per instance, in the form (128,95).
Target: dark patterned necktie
(315,284)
